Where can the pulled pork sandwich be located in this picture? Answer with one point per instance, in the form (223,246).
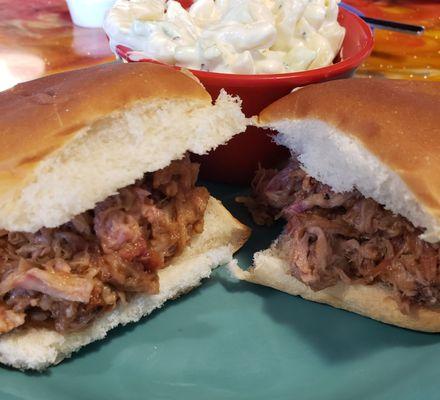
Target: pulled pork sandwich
(101,220)
(361,197)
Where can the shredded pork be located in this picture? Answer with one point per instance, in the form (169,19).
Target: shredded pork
(63,278)
(332,237)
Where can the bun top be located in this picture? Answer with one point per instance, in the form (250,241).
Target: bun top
(68,141)
(37,117)
(390,128)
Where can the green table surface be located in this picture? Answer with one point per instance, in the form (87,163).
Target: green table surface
(234,340)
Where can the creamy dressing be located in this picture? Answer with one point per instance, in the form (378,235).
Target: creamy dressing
(235,36)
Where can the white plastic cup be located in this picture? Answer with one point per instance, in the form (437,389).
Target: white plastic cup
(89,13)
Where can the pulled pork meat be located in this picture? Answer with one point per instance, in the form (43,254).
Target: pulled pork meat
(63,278)
(332,237)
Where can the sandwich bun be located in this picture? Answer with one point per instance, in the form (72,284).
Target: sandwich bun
(380,136)
(373,301)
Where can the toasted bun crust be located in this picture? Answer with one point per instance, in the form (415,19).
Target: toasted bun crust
(394,123)
(39,116)
(223,234)
(68,141)
(373,301)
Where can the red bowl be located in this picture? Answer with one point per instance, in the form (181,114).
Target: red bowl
(237,161)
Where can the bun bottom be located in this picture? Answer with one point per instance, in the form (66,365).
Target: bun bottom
(39,348)
(373,301)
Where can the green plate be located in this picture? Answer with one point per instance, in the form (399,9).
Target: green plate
(233,340)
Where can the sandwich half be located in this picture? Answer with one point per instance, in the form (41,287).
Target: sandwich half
(101,220)
(361,198)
